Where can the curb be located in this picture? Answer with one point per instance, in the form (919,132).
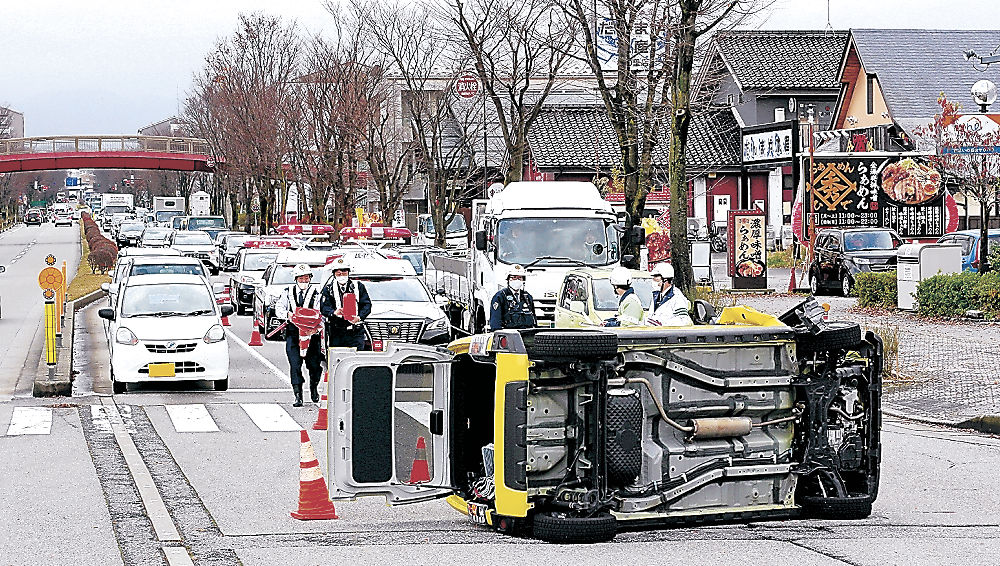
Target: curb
(61,382)
(87,299)
(987,424)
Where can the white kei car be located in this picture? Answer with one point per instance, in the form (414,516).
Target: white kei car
(167,328)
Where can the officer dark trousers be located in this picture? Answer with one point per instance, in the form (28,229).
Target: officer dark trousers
(313,359)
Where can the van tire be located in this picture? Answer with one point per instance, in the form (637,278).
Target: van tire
(221,384)
(561,528)
(580,345)
(835,335)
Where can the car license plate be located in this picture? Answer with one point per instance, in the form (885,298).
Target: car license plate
(162,370)
(477,513)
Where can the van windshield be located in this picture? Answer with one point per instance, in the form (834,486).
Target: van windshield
(605,298)
(206,222)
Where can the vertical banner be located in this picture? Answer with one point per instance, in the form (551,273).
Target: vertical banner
(747,249)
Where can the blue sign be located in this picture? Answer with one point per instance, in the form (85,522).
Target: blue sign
(971,150)
(72,181)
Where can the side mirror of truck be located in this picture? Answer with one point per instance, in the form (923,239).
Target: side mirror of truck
(637,235)
(481,240)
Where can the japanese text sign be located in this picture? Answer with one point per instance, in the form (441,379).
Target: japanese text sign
(747,249)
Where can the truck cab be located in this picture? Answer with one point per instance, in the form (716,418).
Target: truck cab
(456,236)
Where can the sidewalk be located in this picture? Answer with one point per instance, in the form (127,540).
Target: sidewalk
(949,372)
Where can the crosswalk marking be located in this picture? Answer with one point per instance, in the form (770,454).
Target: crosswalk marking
(270,417)
(419,410)
(30,420)
(191,418)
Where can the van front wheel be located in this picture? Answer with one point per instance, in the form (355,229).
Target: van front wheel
(563,528)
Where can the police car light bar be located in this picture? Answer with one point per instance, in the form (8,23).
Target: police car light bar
(375,233)
(311,229)
(268,243)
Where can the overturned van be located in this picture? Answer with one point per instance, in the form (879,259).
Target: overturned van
(572,435)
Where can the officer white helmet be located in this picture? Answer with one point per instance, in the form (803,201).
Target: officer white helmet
(664,270)
(620,276)
(341,263)
(517,270)
(300,270)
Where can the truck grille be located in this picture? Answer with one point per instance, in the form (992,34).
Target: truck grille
(396,330)
(545,311)
(167,349)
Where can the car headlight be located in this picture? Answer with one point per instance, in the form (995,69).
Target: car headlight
(438,324)
(215,334)
(862,261)
(125,336)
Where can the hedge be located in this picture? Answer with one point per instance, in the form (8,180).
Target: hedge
(953,295)
(876,289)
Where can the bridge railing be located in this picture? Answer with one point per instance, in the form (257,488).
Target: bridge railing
(90,144)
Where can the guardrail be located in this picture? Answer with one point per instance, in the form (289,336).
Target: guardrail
(92,144)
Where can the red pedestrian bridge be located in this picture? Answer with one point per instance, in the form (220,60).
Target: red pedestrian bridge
(105,152)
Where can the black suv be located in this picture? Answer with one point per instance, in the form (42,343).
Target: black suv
(843,253)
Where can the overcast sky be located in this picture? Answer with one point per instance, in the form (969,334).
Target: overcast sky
(114,66)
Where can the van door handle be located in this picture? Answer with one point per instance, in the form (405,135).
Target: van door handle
(437,422)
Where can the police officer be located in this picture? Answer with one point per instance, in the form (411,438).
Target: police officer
(341,332)
(630,311)
(669,306)
(301,294)
(512,306)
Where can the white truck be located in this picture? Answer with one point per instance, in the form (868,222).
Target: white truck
(549,227)
(116,203)
(165,208)
(456,236)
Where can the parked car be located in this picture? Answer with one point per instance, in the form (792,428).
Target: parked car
(587,298)
(276,278)
(568,434)
(34,216)
(229,245)
(843,253)
(969,240)
(167,328)
(250,266)
(196,244)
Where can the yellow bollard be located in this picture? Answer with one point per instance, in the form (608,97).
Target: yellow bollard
(51,323)
(65,284)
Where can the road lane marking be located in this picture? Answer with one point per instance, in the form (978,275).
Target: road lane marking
(419,410)
(177,556)
(156,510)
(270,417)
(267,363)
(191,418)
(30,420)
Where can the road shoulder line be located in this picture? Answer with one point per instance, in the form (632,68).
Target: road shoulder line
(257,355)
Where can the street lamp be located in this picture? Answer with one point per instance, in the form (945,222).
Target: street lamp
(984,93)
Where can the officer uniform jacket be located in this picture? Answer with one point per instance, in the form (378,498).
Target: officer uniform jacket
(291,299)
(669,309)
(630,312)
(512,309)
(332,300)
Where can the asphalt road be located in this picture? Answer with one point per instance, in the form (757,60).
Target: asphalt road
(189,472)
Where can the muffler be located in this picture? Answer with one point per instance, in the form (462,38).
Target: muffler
(720,427)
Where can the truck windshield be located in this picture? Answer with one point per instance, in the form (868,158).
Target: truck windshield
(580,240)
(206,222)
(115,209)
(166,215)
(457,224)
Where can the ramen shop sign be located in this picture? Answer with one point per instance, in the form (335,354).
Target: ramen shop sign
(747,249)
(899,192)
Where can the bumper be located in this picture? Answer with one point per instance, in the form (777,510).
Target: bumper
(206,362)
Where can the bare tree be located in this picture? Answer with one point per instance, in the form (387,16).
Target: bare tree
(442,128)
(518,49)
(238,103)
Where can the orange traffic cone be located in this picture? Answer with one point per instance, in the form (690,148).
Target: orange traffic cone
(322,417)
(791,281)
(314,499)
(419,471)
(255,336)
(225,321)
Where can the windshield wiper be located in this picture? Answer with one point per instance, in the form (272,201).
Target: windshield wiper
(198,312)
(165,313)
(552,257)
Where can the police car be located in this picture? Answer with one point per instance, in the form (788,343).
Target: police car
(275,279)
(251,261)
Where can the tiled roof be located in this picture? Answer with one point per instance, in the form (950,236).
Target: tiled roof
(783,60)
(915,66)
(582,138)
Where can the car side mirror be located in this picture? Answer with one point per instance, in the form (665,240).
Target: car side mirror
(106,287)
(2,269)
(441,291)
(227,310)
(481,240)
(107,314)
(578,307)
